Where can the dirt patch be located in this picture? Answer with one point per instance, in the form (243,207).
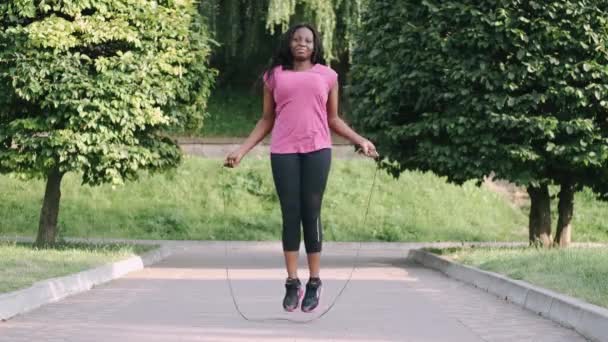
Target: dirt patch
(517,196)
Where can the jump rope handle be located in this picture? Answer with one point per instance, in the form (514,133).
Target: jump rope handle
(359,150)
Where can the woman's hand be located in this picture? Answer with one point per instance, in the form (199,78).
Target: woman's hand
(368,149)
(233,158)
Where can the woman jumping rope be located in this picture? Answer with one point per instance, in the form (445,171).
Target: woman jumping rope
(300,107)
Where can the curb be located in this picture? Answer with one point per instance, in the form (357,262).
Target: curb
(54,289)
(589,320)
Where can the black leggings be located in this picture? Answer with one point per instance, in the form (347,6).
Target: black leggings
(300,180)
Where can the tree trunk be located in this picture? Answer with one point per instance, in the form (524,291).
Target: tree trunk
(566,210)
(47,228)
(533,218)
(540,215)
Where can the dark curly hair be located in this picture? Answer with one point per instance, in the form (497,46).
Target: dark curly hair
(283,56)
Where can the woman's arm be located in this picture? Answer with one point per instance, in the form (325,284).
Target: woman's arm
(259,132)
(338,125)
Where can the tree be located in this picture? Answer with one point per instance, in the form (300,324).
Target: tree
(465,88)
(89,86)
(247,31)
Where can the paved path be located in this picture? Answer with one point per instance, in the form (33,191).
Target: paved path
(186,298)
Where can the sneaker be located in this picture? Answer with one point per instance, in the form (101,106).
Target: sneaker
(312,296)
(293,294)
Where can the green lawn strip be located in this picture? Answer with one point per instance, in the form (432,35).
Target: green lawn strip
(577,272)
(22,265)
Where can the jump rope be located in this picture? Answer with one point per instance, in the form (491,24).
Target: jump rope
(276,319)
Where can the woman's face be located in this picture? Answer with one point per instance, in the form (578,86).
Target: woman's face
(302,44)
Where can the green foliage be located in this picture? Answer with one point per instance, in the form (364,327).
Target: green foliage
(91,85)
(247,30)
(244,46)
(336,20)
(464,88)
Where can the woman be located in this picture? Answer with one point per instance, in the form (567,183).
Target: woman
(300,108)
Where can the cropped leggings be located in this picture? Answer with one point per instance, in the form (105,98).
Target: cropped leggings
(300,180)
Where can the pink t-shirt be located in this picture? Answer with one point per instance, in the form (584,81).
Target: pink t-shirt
(300,98)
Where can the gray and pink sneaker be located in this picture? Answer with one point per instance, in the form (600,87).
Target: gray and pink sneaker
(293,293)
(312,296)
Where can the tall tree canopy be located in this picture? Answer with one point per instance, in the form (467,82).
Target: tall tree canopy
(466,88)
(89,86)
(247,31)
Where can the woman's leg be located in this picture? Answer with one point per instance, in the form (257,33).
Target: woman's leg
(314,173)
(286,175)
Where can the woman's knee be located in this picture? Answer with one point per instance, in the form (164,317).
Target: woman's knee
(291,240)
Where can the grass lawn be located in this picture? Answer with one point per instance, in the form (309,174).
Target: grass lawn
(232,113)
(22,265)
(578,272)
(189,205)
